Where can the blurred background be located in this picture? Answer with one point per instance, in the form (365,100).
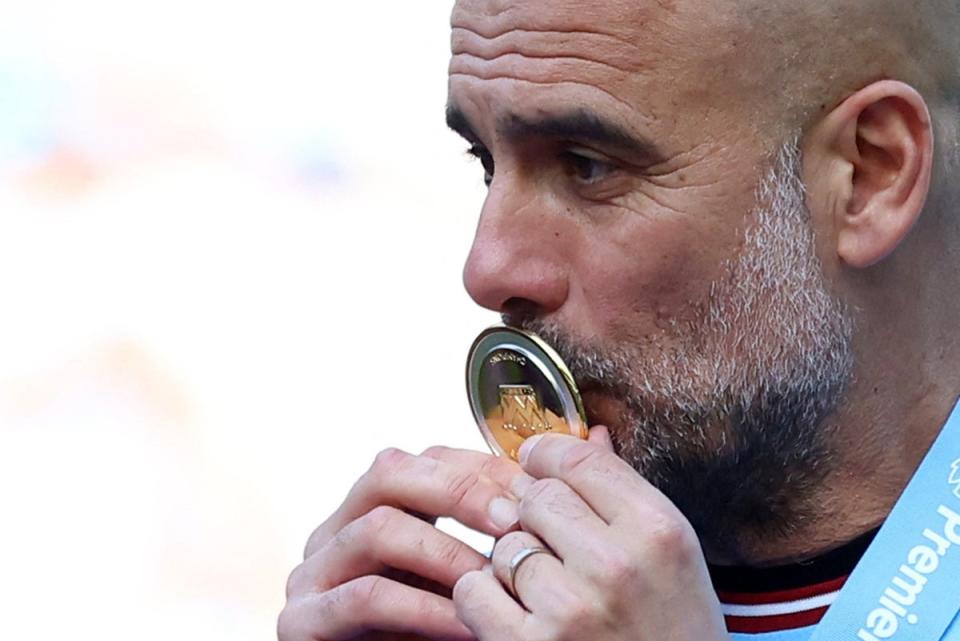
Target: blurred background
(231,237)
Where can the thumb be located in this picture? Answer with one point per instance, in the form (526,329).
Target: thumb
(600,435)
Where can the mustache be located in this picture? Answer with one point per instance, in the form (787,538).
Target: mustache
(593,368)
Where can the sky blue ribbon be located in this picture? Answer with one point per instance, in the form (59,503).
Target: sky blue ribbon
(907,586)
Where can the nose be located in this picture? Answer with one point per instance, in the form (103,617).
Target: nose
(516,260)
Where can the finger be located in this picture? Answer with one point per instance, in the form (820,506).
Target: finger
(609,485)
(542,583)
(370,603)
(386,538)
(561,518)
(600,435)
(421,484)
(487,610)
(500,469)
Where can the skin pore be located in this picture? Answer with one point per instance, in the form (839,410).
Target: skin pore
(615,246)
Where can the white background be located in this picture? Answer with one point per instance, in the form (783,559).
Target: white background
(231,237)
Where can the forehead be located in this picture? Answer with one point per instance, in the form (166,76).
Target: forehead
(620,16)
(641,60)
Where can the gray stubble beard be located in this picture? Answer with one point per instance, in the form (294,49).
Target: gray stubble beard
(725,413)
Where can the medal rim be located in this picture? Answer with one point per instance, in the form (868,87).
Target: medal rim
(552,359)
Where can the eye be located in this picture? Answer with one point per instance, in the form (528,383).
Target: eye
(486,159)
(587,167)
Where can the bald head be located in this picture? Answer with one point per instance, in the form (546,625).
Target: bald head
(815,54)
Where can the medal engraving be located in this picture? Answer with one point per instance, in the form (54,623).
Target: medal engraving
(521,410)
(507,357)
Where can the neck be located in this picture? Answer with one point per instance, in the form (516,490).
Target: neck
(878,440)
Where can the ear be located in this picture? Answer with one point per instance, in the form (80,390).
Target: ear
(868,167)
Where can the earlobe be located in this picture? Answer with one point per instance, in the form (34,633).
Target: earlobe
(877,147)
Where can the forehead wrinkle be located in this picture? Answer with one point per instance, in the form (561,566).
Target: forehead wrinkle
(686,43)
(546,71)
(598,34)
(549,44)
(551,84)
(630,45)
(492,18)
(541,60)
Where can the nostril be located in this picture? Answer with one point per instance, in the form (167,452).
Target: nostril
(518,311)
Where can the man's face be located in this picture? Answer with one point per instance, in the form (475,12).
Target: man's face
(623,164)
(622,223)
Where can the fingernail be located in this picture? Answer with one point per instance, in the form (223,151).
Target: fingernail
(520,484)
(504,513)
(528,446)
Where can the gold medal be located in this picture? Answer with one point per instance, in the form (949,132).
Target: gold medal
(519,387)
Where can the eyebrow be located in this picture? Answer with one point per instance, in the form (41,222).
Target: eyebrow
(457,121)
(581,125)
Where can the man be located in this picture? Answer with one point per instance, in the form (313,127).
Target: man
(735,220)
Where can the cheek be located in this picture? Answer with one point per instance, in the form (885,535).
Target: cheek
(649,275)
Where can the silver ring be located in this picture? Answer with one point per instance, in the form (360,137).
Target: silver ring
(518,560)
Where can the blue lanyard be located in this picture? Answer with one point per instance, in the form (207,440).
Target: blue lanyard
(907,586)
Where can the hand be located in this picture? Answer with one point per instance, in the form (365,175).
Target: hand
(373,570)
(625,563)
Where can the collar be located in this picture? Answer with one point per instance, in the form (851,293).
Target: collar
(756,600)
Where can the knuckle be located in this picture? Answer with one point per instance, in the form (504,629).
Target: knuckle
(362,593)
(542,490)
(615,567)
(388,461)
(459,485)
(490,466)
(314,542)
(571,618)
(346,537)
(436,452)
(288,625)
(296,622)
(672,540)
(508,545)
(366,530)
(369,526)
(449,552)
(513,541)
(579,457)
(294,581)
